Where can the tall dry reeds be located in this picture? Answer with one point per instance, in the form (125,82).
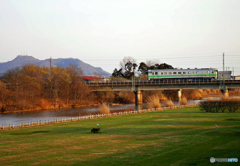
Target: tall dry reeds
(153,102)
(183,101)
(162,98)
(224,97)
(208,91)
(197,94)
(43,104)
(235,92)
(169,103)
(194,94)
(214,91)
(104,109)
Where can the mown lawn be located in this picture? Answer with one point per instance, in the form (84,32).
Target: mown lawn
(184,136)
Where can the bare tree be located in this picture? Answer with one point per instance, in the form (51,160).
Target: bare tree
(152,62)
(128,66)
(3,95)
(126,60)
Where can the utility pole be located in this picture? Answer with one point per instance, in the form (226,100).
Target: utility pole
(233,71)
(50,69)
(223,74)
(50,74)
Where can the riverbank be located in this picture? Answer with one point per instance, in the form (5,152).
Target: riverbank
(184,136)
(50,108)
(92,115)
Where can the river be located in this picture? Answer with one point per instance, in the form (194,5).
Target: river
(25,117)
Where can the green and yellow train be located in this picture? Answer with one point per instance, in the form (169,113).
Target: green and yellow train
(203,74)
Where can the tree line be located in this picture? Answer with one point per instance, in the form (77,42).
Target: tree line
(130,68)
(33,86)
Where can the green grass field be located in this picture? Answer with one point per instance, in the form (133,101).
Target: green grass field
(183,136)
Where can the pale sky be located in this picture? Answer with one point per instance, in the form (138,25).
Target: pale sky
(182,33)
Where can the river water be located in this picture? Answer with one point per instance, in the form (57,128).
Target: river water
(25,117)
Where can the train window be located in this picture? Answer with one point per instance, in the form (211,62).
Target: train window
(179,72)
(165,72)
(189,72)
(161,73)
(169,72)
(197,72)
(193,72)
(184,72)
(174,72)
(156,73)
(208,72)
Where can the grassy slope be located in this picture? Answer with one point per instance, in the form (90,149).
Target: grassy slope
(172,137)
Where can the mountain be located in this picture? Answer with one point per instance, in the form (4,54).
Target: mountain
(21,60)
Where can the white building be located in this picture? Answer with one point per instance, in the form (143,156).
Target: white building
(226,74)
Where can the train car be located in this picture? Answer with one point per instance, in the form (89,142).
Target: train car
(183,74)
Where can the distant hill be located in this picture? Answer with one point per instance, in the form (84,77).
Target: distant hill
(21,60)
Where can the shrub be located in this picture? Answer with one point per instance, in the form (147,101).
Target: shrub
(104,109)
(153,102)
(233,105)
(220,105)
(3,109)
(169,103)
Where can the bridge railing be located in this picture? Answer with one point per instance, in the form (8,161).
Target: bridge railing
(192,81)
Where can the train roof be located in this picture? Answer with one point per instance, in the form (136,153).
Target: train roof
(188,69)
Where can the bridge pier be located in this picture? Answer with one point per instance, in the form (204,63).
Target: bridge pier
(138,99)
(179,92)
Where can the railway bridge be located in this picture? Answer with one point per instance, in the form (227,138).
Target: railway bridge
(139,86)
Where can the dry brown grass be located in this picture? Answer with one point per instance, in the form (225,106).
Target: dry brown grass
(218,91)
(61,104)
(43,104)
(153,102)
(197,94)
(214,91)
(209,99)
(143,77)
(158,93)
(104,109)
(169,103)
(208,91)
(194,94)
(183,101)
(163,98)
(235,92)
(224,97)
(200,91)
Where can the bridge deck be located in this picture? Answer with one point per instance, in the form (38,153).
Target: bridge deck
(158,85)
